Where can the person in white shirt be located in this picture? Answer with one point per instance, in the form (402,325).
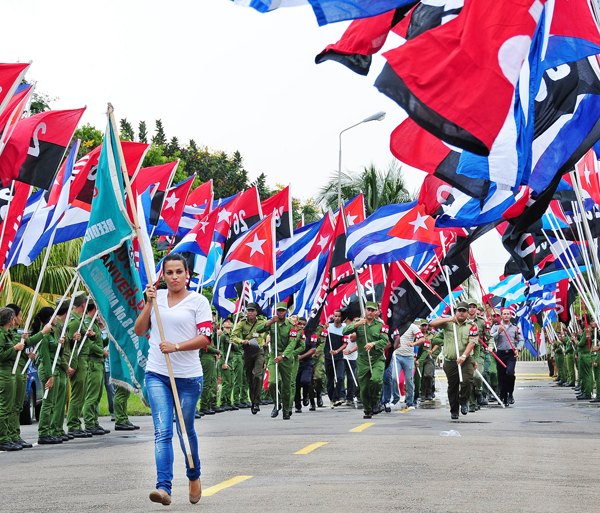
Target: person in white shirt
(186,322)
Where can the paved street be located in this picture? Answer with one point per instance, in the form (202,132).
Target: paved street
(539,455)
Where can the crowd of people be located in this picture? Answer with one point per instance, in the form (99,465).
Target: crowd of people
(70,361)
(253,361)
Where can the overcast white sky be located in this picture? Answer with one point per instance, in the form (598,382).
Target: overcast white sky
(226,76)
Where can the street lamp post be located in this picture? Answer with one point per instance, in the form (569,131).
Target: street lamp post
(375,117)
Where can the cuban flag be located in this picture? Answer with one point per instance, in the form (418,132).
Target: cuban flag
(173,207)
(251,257)
(199,239)
(293,263)
(58,203)
(393,232)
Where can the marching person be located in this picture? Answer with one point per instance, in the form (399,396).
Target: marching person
(78,368)
(467,335)
(186,321)
(95,375)
(283,331)
(371,340)
(509,341)
(303,377)
(61,380)
(227,370)
(334,356)
(252,342)
(42,332)
(477,400)
(9,346)
(20,381)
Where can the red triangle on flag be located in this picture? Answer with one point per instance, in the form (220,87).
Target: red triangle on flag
(416,225)
(256,247)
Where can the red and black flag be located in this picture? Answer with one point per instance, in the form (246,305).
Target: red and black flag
(281,205)
(11,75)
(11,213)
(401,304)
(445,78)
(162,176)
(37,146)
(345,297)
(362,39)
(244,214)
(82,189)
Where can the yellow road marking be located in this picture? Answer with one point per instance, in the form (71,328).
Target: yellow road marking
(225,484)
(362,427)
(311,448)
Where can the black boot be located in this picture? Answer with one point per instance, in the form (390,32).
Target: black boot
(312,405)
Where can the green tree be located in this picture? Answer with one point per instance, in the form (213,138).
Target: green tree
(261,185)
(159,139)
(90,137)
(172,149)
(378,187)
(127,133)
(142,132)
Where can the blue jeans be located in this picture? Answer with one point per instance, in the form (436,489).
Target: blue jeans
(408,364)
(160,396)
(390,390)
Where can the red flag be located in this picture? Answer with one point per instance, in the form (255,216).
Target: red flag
(13,113)
(82,190)
(37,146)
(245,213)
(201,195)
(162,176)
(13,217)
(175,202)
(457,80)
(416,225)
(588,176)
(281,205)
(10,78)
(434,193)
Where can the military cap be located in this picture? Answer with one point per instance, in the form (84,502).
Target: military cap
(253,306)
(282,305)
(462,304)
(371,304)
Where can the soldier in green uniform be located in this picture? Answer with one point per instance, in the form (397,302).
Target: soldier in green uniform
(585,360)
(227,370)
(595,358)
(569,359)
(371,340)
(20,381)
(476,399)
(467,336)
(559,358)
(283,344)
(209,356)
(95,375)
(251,341)
(9,346)
(77,371)
(300,345)
(61,380)
(43,334)
(432,347)
(318,372)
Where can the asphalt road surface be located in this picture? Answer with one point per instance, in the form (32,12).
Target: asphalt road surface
(539,455)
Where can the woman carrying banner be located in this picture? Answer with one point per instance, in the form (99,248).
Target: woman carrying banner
(186,318)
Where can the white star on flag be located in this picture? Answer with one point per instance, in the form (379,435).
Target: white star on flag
(203,226)
(171,201)
(322,242)
(256,245)
(223,216)
(587,173)
(350,219)
(419,222)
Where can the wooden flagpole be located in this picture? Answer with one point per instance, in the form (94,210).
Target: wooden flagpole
(186,441)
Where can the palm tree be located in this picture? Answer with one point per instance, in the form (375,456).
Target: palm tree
(21,280)
(379,188)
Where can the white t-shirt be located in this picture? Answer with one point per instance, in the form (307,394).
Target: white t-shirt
(351,347)
(409,336)
(180,324)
